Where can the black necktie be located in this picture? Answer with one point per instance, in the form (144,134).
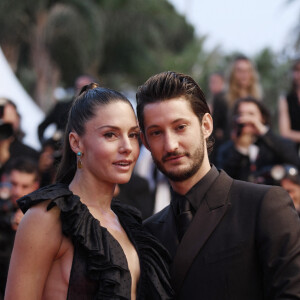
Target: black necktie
(184,218)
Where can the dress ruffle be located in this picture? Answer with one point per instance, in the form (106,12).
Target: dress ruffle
(102,263)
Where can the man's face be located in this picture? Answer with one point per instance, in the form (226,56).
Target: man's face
(176,138)
(21,184)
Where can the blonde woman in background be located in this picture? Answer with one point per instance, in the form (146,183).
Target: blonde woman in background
(243,81)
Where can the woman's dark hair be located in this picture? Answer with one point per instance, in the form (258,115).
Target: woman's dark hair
(169,85)
(83,109)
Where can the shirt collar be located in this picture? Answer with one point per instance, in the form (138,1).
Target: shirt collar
(198,191)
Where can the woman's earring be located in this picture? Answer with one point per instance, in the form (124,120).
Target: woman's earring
(79,162)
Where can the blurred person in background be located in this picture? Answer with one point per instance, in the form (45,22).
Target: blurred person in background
(58,114)
(136,192)
(11,145)
(22,178)
(158,183)
(243,81)
(289,108)
(219,110)
(11,116)
(254,148)
(288,177)
(49,159)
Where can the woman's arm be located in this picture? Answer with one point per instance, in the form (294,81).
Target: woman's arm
(37,243)
(285,122)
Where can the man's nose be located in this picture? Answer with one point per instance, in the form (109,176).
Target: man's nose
(170,142)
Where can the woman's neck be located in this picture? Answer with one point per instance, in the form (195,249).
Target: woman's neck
(92,192)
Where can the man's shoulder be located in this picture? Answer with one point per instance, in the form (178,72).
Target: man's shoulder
(250,186)
(159,217)
(254,194)
(245,190)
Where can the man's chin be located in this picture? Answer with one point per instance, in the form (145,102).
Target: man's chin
(178,176)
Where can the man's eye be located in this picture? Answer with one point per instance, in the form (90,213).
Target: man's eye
(181,127)
(155,133)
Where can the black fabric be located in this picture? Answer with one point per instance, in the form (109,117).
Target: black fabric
(137,193)
(58,115)
(197,192)
(185,206)
(294,111)
(220,115)
(248,244)
(102,262)
(184,216)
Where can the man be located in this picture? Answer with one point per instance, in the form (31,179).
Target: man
(243,241)
(23,178)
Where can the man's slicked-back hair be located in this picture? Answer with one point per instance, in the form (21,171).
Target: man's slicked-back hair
(169,85)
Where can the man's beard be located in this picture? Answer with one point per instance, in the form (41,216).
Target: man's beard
(197,159)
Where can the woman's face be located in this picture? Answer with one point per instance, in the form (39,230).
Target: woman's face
(110,144)
(243,73)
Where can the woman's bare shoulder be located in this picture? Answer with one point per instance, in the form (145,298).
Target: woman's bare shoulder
(37,244)
(39,224)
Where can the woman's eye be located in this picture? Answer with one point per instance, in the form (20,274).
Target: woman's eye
(134,135)
(110,134)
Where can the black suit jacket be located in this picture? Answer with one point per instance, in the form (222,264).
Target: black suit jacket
(243,243)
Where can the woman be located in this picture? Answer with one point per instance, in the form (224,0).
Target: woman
(74,241)
(242,81)
(289,109)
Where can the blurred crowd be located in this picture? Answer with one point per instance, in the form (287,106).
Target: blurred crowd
(246,145)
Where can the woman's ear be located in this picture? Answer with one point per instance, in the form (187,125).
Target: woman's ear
(207,125)
(75,142)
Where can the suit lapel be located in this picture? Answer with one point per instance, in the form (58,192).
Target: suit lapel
(208,216)
(164,229)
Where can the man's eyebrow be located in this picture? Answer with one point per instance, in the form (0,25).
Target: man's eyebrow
(173,122)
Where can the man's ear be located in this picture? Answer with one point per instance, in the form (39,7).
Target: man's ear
(207,125)
(144,140)
(75,142)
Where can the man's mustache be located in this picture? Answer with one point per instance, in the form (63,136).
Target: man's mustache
(174,153)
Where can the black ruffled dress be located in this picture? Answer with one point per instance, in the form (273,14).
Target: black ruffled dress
(99,268)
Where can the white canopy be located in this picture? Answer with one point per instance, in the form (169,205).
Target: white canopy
(31,114)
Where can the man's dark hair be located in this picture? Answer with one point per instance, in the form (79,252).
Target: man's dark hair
(24,165)
(169,85)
